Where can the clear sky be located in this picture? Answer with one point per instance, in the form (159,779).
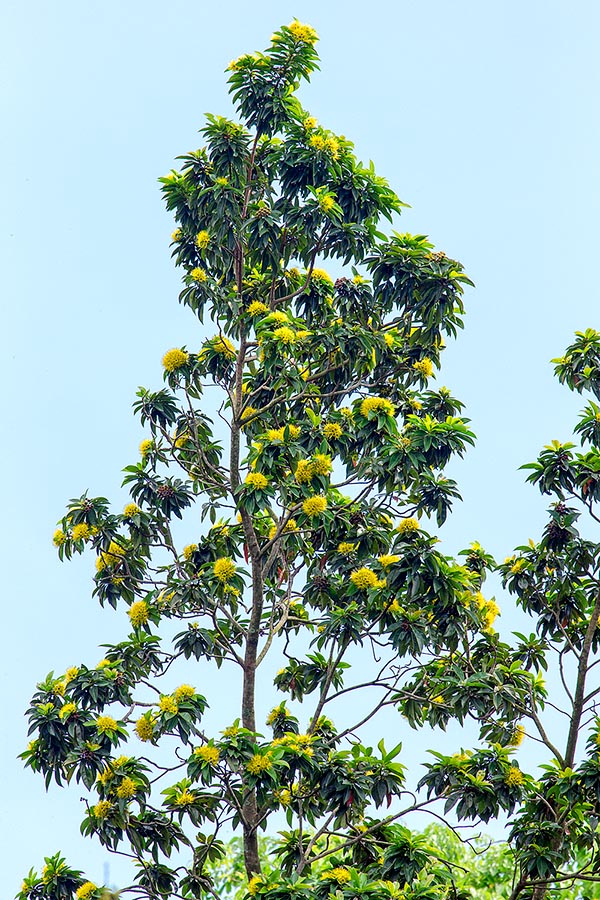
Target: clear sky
(482,115)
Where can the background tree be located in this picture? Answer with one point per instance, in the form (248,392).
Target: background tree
(331,447)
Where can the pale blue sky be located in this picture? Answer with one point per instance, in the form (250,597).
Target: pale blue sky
(482,115)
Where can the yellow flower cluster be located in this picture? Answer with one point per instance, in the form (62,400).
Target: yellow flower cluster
(174,359)
(257,481)
(365,578)
(208,753)
(67,710)
(346,548)
(111,557)
(202,240)
(185,798)
(81,532)
(314,506)
(332,431)
(126,789)
(144,727)
(285,335)
(177,235)
(321,275)
(223,346)
(424,367)
(59,538)
(304,33)
(388,559)
(198,275)
(71,673)
(325,145)
(146,446)
(291,525)
(224,569)
(369,404)
(138,613)
(516,738)
(339,874)
(86,890)
(407,526)
(259,763)
(189,551)
(184,692)
(257,308)
(304,471)
(518,566)
(168,704)
(514,777)
(321,464)
(101,809)
(254,884)
(131,510)
(105,723)
(327,203)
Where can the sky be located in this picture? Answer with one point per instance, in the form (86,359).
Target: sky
(483,117)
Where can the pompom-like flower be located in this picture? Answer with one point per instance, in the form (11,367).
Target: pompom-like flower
(138,613)
(327,203)
(332,431)
(202,240)
(254,884)
(86,890)
(377,403)
(174,359)
(59,538)
(321,464)
(198,275)
(224,569)
(314,506)
(208,754)
(306,34)
(339,874)
(168,704)
(189,551)
(407,526)
(321,274)
(126,789)
(101,809)
(424,367)
(146,446)
(388,559)
(516,738)
(131,510)
(184,692)
(259,763)
(67,710)
(257,308)
(81,532)
(284,335)
(105,723)
(144,727)
(223,346)
(257,481)
(514,777)
(345,548)
(177,235)
(185,798)
(365,578)
(304,471)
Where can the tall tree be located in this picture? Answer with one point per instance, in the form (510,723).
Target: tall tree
(330,448)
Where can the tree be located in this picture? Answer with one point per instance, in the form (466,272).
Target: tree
(330,449)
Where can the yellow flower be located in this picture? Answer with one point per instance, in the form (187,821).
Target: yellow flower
(126,789)
(407,526)
(314,506)
(260,762)
(339,874)
(176,235)
(146,446)
(138,613)
(248,413)
(424,367)
(516,738)
(326,203)
(185,798)
(168,704)
(279,317)
(518,566)
(490,610)
(514,777)
(257,481)
(377,403)
(67,710)
(71,673)
(202,240)
(189,551)
(144,727)
(131,510)
(309,123)
(254,884)
(346,412)
(59,688)
(208,753)
(101,809)
(388,559)
(59,538)
(364,578)
(321,464)
(81,532)
(257,307)
(275,434)
(284,796)
(332,431)
(304,471)
(223,346)
(346,548)
(321,274)
(317,141)
(284,335)
(222,182)
(86,890)
(224,569)
(198,275)
(394,607)
(174,359)
(332,145)
(304,33)
(105,723)
(389,339)
(184,692)
(294,431)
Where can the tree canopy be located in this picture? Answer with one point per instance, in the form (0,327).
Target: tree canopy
(300,450)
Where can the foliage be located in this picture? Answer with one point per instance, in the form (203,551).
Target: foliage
(313,552)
